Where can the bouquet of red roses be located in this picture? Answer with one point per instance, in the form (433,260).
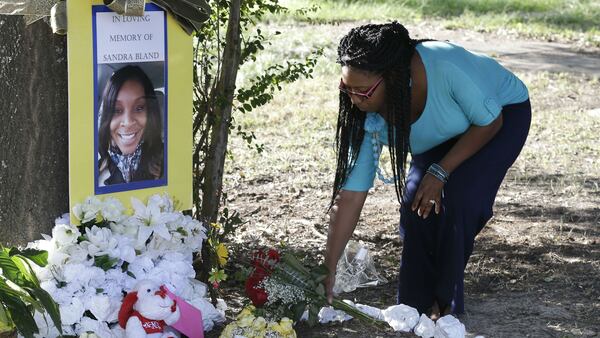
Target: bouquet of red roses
(282,286)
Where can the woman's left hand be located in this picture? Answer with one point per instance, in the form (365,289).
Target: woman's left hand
(428,196)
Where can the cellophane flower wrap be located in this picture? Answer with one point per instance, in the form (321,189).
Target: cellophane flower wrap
(281,286)
(92,265)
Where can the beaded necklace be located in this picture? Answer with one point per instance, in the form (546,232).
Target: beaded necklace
(374,124)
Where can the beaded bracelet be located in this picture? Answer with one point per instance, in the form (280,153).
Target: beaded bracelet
(438,172)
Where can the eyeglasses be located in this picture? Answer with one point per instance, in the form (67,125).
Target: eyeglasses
(363,95)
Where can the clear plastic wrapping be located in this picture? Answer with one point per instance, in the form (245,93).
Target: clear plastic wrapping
(356,269)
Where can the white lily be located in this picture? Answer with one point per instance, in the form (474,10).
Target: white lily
(88,210)
(151,219)
(65,234)
(164,202)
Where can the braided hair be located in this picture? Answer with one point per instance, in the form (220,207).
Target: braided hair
(384,49)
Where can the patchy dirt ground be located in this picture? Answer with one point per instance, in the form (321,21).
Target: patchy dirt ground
(535,271)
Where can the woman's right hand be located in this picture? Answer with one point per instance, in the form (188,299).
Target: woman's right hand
(329,282)
(343,218)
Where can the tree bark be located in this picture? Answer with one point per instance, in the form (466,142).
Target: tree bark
(33,130)
(213,184)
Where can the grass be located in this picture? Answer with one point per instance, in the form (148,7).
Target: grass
(574,20)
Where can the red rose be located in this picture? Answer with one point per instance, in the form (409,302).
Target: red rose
(274,255)
(265,262)
(257,295)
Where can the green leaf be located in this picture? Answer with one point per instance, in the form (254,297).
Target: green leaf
(49,305)
(294,263)
(26,271)
(20,315)
(320,289)
(313,315)
(39,257)
(298,310)
(9,269)
(5,322)
(11,291)
(18,293)
(320,273)
(105,262)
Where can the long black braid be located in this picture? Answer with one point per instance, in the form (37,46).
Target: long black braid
(384,49)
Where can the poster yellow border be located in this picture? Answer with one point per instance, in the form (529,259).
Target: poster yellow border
(81,106)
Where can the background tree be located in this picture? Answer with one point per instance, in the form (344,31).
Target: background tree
(229,39)
(33,129)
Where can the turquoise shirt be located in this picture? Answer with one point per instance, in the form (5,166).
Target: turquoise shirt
(463,89)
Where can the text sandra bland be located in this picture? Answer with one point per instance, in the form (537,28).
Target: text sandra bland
(120,57)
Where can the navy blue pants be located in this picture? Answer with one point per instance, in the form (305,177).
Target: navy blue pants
(437,249)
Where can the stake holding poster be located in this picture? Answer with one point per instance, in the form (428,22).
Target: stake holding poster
(130,104)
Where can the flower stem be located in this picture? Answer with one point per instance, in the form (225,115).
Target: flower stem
(349,309)
(356,313)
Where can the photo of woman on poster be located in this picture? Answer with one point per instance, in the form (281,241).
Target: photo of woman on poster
(130,129)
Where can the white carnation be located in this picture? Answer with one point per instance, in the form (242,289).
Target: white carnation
(100,241)
(126,248)
(78,254)
(112,210)
(71,314)
(102,307)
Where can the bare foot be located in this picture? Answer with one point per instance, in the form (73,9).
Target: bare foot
(434,313)
(447,310)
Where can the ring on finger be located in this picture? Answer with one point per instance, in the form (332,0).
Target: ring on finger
(432,202)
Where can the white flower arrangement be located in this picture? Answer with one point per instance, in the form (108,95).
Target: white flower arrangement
(92,265)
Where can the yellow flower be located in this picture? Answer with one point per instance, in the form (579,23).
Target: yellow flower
(228,331)
(216,225)
(259,324)
(248,310)
(286,326)
(222,254)
(245,321)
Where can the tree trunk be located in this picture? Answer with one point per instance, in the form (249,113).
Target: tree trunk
(12,334)
(33,130)
(213,183)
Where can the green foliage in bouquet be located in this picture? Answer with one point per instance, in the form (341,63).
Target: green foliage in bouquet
(20,292)
(282,286)
(292,271)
